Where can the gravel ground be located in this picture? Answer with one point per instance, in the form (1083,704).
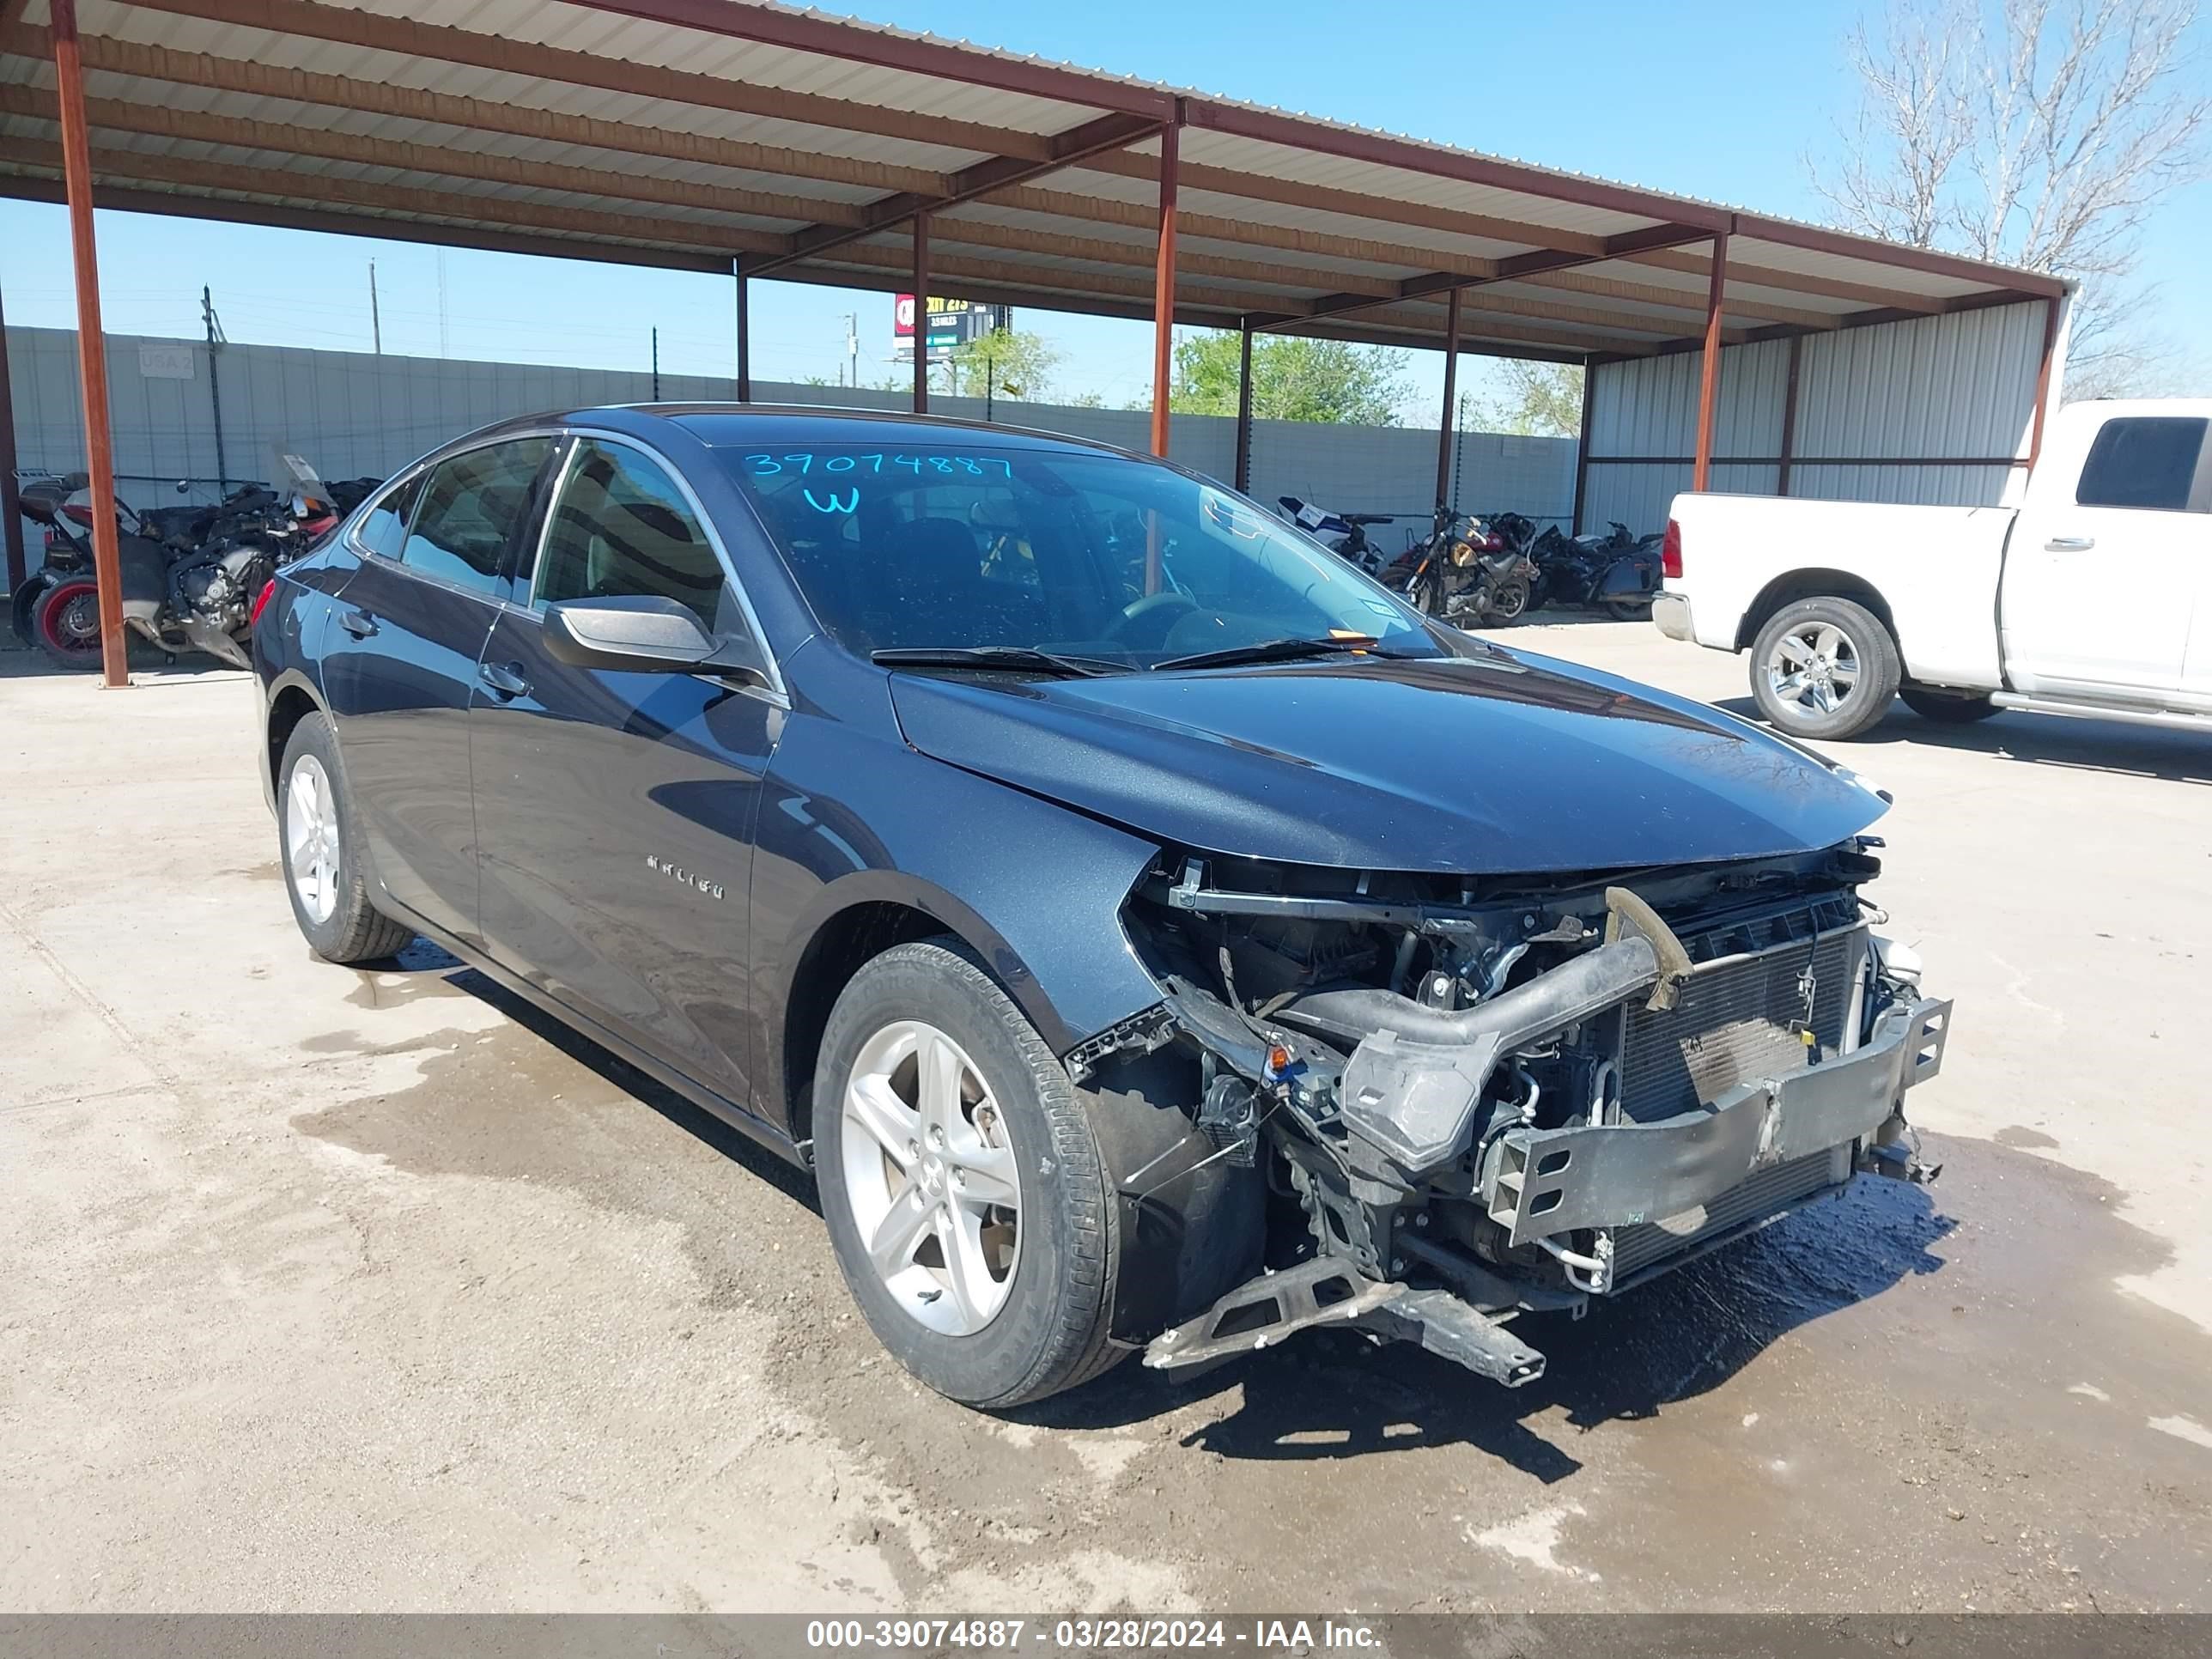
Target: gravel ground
(329,1290)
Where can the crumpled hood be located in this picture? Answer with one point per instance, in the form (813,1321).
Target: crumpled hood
(1478,766)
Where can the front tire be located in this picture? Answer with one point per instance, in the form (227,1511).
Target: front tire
(319,849)
(962,1182)
(1824,668)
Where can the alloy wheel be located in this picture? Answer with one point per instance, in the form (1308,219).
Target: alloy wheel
(1813,668)
(311,839)
(929,1167)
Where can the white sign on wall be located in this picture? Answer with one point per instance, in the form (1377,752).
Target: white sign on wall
(165,363)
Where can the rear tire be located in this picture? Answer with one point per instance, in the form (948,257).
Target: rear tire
(1630,609)
(1944,708)
(319,850)
(1824,668)
(65,622)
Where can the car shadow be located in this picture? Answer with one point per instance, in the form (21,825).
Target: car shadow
(1331,1394)
(2079,743)
(421,957)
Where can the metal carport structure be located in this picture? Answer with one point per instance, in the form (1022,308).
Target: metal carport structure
(753,140)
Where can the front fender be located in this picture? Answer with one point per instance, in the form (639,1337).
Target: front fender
(851,816)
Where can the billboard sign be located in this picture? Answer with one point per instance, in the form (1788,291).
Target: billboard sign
(949,325)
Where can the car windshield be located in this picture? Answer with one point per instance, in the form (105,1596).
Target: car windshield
(913,546)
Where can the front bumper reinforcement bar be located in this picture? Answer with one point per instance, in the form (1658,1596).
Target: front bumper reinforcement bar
(1547,1181)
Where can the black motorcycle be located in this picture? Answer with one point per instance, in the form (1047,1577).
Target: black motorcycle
(191,575)
(1618,572)
(1465,573)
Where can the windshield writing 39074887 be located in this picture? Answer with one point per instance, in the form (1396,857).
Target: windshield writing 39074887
(948,466)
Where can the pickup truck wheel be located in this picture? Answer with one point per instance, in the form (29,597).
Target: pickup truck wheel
(1946,708)
(1824,668)
(962,1182)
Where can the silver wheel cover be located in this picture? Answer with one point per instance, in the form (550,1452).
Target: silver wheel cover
(929,1168)
(1813,669)
(311,839)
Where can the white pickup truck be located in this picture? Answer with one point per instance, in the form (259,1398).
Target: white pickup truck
(2093,596)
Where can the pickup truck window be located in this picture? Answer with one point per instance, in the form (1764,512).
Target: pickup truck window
(2146,461)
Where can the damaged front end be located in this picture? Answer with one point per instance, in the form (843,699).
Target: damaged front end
(1489,1096)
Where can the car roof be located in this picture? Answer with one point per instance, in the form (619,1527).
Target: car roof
(732,424)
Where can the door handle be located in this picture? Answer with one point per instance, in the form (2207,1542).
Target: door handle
(359,623)
(2069,544)
(504,678)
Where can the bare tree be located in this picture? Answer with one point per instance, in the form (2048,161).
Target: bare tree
(2032,132)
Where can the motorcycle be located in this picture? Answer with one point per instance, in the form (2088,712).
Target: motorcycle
(1618,572)
(191,576)
(1468,574)
(1344,534)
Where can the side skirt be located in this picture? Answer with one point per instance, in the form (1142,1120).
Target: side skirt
(746,1123)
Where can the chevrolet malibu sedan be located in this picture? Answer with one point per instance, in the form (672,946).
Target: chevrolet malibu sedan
(1153,934)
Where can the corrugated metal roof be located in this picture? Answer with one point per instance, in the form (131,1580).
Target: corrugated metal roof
(683,131)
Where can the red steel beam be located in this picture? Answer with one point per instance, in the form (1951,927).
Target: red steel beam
(1536,262)
(1818,241)
(1163,289)
(2054,309)
(91,341)
(1271,127)
(1709,378)
(11,508)
(1000,172)
(1451,385)
(922,314)
(890,49)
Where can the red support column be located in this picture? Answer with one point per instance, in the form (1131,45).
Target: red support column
(2054,308)
(922,314)
(91,342)
(11,513)
(745,333)
(1451,386)
(1709,383)
(1582,444)
(1163,286)
(1244,406)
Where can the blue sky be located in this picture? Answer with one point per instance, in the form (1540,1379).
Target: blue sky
(1710,98)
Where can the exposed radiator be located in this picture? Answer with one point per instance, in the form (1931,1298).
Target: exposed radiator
(1738,1017)
(1767,1194)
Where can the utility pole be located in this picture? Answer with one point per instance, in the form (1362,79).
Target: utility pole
(216,341)
(1459,453)
(443,350)
(656,365)
(375,322)
(852,349)
(990,382)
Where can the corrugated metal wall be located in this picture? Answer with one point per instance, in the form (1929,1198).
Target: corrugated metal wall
(357,415)
(1956,386)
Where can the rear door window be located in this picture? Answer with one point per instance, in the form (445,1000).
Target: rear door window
(471,509)
(2148,461)
(383,528)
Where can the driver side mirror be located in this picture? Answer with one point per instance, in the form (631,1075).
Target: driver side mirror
(646,633)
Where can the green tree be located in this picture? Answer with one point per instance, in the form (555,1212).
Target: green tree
(1536,400)
(1293,378)
(1018,364)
